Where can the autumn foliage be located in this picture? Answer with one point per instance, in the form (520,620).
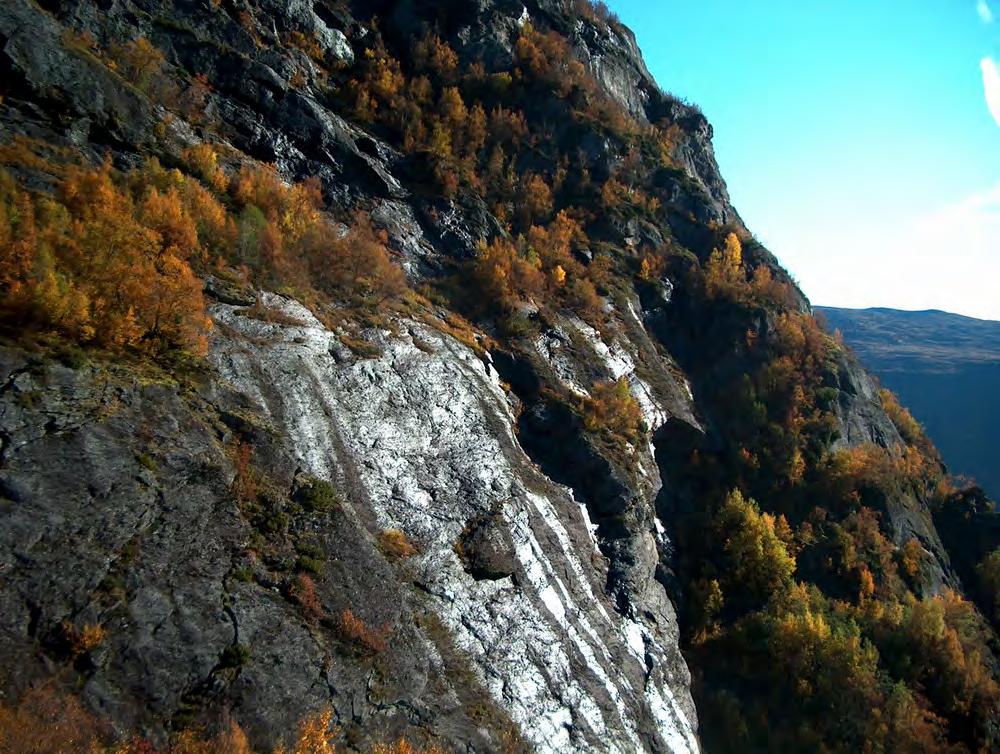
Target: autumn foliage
(611,411)
(48,721)
(115,259)
(99,263)
(368,640)
(471,129)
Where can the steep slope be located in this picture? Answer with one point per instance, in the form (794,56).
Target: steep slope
(945,368)
(251,472)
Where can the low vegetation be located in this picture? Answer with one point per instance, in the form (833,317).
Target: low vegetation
(114,260)
(47,721)
(612,412)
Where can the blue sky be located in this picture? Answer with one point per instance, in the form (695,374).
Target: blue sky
(860,140)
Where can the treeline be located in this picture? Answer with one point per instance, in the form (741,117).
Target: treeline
(115,259)
(804,620)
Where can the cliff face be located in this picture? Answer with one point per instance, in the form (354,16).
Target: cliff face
(944,366)
(122,514)
(509,571)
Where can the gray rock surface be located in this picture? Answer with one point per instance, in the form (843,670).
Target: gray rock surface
(425,442)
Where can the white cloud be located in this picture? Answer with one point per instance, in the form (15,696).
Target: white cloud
(991,86)
(983,9)
(945,259)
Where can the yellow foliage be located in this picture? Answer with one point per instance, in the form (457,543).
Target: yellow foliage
(760,562)
(611,410)
(395,545)
(307,44)
(104,268)
(535,200)
(732,254)
(724,273)
(139,61)
(558,276)
(908,427)
(83,640)
(203,160)
(315,736)
(452,108)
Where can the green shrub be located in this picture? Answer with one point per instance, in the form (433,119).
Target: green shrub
(318,495)
(234,656)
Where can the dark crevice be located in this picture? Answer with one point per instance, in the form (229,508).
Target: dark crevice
(554,437)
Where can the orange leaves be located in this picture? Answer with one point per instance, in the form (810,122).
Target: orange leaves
(866,587)
(869,466)
(175,308)
(395,545)
(47,722)
(765,289)
(508,125)
(535,200)
(505,276)
(283,232)
(365,638)
(293,208)
(165,214)
(315,735)
(246,480)
(356,265)
(538,267)
(104,267)
(549,58)
(304,592)
(85,639)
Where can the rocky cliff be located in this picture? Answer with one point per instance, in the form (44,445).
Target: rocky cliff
(400,517)
(944,366)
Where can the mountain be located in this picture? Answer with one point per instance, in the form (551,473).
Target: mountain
(397,377)
(946,368)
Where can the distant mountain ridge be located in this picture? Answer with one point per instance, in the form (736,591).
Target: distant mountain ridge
(946,369)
